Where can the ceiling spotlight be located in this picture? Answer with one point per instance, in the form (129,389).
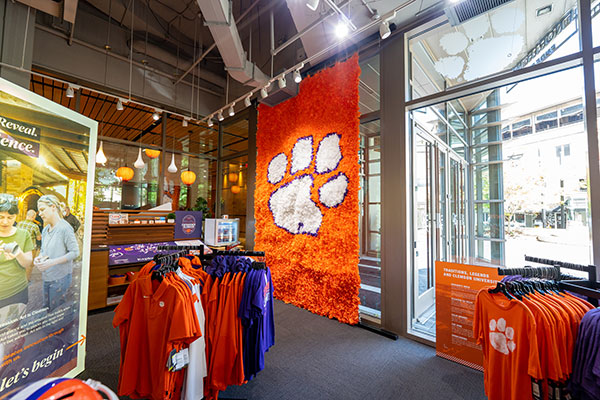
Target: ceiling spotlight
(119,105)
(210,121)
(341,30)
(312,4)
(155,116)
(297,76)
(184,122)
(220,116)
(248,101)
(384,30)
(231,111)
(281,82)
(263,92)
(70,91)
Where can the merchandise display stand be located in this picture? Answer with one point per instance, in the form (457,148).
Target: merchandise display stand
(589,287)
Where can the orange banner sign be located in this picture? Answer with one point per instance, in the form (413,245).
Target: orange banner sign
(456,287)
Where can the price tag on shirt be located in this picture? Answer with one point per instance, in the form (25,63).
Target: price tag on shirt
(178,360)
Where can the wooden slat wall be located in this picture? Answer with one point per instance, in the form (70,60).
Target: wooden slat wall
(130,234)
(99,229)
(98,288)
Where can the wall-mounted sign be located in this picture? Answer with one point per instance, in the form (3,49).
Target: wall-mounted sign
(44,278)
(188,224)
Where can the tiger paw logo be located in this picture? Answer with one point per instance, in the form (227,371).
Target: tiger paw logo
(501,336)
(291,204)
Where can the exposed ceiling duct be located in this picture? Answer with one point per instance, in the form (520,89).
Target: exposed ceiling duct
(218,17)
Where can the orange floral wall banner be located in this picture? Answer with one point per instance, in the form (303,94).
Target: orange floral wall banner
(306,197)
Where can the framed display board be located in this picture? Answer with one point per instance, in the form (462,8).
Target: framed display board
(46,193)
(456,287)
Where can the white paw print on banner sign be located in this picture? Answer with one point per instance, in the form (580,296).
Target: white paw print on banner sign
(290,204)
(501,336)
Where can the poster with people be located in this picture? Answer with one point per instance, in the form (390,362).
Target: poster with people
(46,185)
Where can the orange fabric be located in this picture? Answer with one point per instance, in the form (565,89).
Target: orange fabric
(509,364)
(319,273)
(156,319)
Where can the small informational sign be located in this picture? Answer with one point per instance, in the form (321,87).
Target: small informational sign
(188,224)
(456,288)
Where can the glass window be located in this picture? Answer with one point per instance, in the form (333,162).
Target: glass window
(140,192)
(571,114)
(521,128)
(370,220)
(505,38)
(368,88)
(546,121)
(596,22)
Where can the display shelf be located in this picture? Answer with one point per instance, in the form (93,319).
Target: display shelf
(119,284)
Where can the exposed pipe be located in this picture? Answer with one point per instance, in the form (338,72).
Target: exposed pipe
(309,28)
(326,50)
(335,8)
(217,15)
(119,57)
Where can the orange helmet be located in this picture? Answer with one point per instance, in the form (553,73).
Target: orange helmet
(58,388)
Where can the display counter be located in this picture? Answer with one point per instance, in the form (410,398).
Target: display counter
(141,233)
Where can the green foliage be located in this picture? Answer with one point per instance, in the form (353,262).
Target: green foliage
(202,205)
(171,216)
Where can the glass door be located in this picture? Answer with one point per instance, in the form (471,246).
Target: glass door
(424,220)
(439,220)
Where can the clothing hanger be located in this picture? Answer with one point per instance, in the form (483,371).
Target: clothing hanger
(501,288)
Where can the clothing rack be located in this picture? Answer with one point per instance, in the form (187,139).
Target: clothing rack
(589,287)
(532,272)
(184,249)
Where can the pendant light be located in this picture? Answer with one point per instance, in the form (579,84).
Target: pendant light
(139,163)
(100,156)
(172,167)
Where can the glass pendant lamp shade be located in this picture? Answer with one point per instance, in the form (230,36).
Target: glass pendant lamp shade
(172,167)
(100,156)
(139,163)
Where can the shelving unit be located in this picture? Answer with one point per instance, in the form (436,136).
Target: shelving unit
(101,294)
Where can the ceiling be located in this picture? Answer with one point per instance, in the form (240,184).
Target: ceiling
(135,123)
(492,42)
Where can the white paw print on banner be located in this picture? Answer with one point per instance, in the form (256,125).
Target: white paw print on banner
(501,336)
(290,204)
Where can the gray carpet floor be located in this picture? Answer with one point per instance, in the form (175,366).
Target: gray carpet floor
(318,358)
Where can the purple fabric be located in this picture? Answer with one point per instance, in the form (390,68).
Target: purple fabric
(585,380)
(133,253)
(256,312)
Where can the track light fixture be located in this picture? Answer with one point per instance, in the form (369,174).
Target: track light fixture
(248,100)
(263,92)
(210,121)
(312,4)
(231,111)
(281,82)
(184,122)
(70,92)
(155,116)
(119,105)
(297,76)
(384,30)
(220,116)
